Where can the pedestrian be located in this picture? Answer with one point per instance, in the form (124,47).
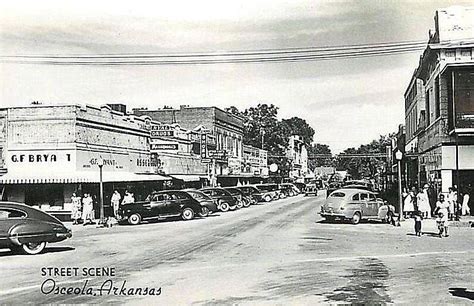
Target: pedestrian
(451,198)
(76,208)
(418,219)
(424,202)
(408,204)
(128,198)
(87,209)
(442,210)
(465,210)
(115,202)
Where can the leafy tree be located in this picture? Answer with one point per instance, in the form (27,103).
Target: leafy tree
(319,149)
(367,166)
(298,126)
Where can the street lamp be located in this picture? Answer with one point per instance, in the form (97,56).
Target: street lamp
(100,163)
(398,157)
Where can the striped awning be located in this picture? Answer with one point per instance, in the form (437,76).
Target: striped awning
(78,177)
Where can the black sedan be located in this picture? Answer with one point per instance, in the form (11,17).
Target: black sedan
(208,205)
(222,197)
(252,192)
(27,230)
(162,204)
(240,197)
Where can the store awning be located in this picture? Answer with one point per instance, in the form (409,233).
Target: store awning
(188,177)
(78,177)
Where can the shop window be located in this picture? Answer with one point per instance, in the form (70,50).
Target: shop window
(45,194)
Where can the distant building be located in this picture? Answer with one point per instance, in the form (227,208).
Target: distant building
(254,162)
(439,105)
(298,157)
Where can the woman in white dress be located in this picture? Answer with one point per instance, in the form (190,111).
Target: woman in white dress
(424,202)
(442,210)
(408,204)
(87,209)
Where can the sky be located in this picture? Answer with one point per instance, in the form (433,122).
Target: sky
(348,102)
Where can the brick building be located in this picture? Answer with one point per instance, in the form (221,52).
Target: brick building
(224,127)
(439,104)
(52,151)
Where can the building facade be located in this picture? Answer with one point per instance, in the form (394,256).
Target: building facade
(52,151)
(224,128)
(298,158)
(439,104)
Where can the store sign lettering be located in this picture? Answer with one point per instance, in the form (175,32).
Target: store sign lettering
(37,158)
(107,162)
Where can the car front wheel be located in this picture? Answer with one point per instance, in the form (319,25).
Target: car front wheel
(267,198)
(135,219)
(187,214)
(356,218)
(31,248)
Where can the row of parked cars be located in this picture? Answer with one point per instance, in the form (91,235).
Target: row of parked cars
(189,203)
(25,229)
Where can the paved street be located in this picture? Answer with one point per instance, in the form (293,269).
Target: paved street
(273,253)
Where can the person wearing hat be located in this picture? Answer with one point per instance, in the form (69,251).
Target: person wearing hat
(424,202)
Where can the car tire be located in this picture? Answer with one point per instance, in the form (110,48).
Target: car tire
(224,207)
(187,214)
(240,204)
(30,248)
(204,212)
(134,219)
(388,218)
(247,203)
(267,198)
(356,218)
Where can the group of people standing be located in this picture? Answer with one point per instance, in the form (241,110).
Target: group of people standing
(425,202)
(418,205)
(83,208)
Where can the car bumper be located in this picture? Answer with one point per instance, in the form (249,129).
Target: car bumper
(332,215)
(66,235)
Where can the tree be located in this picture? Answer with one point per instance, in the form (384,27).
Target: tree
(298,126)
(366,166)
(319,149)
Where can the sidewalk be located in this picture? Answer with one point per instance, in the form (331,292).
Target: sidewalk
(466,221)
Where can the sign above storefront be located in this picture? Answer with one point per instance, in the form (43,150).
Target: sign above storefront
(163,146)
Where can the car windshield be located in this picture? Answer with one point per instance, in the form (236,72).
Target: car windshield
(337,195)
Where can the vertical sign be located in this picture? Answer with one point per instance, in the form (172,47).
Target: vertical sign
(203,146)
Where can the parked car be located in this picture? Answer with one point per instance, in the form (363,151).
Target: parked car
(288,189)
(240,197)
(301,186)
(269,191)
(222,197)
(161,204)
(253,193)
(26,229)
(355,205)
(311,188)
(207,203)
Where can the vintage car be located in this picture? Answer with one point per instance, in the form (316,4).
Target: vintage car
(311,188)
(222,197)
(289,189)
(240,197)
(208,204)
(356,205)
(269,191)
(161,204)
(27,230)
(252,193)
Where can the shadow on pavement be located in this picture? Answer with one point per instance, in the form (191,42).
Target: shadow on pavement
(49,249)
(462,292)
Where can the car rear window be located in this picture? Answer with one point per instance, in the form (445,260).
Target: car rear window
(337,195)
